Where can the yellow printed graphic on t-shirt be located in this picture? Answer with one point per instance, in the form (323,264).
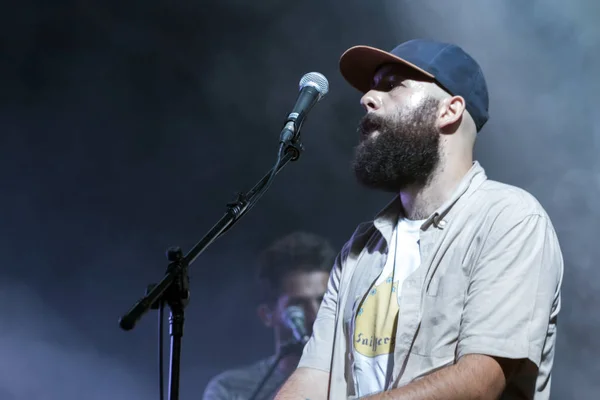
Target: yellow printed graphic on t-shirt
(376,320)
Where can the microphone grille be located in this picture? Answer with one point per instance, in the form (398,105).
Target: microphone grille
(316,80)
(293,312)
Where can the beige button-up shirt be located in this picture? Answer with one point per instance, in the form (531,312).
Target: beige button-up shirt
(489,283)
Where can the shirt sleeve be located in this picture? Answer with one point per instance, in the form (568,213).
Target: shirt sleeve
(215,390)
(319,349)
(514,292)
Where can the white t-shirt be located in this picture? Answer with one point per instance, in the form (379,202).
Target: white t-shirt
(377,314)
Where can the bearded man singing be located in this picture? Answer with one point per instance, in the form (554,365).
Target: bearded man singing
(453,290)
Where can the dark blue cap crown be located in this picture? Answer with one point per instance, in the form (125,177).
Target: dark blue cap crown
(449,65)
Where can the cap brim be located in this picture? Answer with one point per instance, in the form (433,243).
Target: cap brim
(359,64)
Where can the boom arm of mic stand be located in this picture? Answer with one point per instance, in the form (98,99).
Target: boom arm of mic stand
(235,211)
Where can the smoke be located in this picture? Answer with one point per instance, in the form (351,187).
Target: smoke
(127,127)
(44,357)
(540,59)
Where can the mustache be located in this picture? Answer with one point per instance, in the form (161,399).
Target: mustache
(373,122)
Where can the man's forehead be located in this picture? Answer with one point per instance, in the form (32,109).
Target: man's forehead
(304,283)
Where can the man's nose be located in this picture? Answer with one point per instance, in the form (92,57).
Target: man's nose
(371,101)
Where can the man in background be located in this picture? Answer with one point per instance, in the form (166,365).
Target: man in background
(293,271)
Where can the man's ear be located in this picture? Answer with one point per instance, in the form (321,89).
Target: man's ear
(265,314)
(451,112)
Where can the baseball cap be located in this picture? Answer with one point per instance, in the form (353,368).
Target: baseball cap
(447,64)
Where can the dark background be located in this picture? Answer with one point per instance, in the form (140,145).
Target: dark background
(127,126)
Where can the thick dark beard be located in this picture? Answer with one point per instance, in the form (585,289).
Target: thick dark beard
(404,153)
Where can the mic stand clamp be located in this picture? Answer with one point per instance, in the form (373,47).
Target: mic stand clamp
(295,148)
(177,297)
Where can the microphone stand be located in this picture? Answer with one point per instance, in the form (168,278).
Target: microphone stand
(287,349)
(173,290)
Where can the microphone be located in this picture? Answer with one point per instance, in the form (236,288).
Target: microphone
(293,318)
(313,86)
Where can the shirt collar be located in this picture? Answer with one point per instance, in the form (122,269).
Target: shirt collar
(387,218)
